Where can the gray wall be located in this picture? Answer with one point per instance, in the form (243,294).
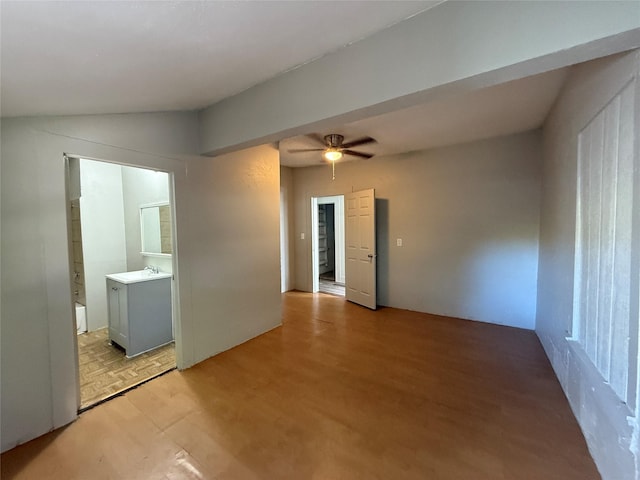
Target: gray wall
(607,424)
(452,48)
(233,248)
(224,207)
(288,209)
(468,218)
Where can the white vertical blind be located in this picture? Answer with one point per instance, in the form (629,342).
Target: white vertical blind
(603,239)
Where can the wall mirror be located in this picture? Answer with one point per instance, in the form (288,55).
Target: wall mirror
(155,224)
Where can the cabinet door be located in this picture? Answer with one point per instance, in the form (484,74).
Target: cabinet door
(149,315)
(118,317)
(114,310)
(123,333)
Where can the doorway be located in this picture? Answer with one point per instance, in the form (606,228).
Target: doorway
(111,208)
(328,245)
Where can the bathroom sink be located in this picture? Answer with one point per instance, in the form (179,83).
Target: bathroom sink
(137,276)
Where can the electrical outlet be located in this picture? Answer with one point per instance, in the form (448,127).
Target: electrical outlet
(398,242)
(302,236)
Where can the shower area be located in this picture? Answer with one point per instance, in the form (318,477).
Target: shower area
(79,293)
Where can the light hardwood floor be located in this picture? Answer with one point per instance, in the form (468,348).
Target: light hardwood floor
(338,392)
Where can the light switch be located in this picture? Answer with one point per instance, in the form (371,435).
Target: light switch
(302,236)
(398,242)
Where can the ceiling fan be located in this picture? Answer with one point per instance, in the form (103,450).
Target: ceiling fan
(334,148)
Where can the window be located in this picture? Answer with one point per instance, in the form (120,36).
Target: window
(602,315)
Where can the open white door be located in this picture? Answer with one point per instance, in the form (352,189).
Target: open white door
(360,239)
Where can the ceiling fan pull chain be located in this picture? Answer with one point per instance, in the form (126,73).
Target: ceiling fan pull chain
(333,169)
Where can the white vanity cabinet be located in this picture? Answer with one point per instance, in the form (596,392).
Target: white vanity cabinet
(139,307)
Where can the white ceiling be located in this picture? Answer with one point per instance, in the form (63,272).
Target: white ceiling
(85,57)
(91,57)
(511,107)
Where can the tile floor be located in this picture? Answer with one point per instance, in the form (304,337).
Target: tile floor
(106,371)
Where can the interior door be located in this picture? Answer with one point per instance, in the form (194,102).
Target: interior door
(360,239)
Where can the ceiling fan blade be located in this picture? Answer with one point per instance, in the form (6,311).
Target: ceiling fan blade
(357,154)
(361,141)
(302,150)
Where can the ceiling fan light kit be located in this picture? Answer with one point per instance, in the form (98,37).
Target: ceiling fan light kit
(332,154)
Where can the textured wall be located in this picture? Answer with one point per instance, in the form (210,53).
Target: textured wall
(601,415)
(468,218)
(233,248)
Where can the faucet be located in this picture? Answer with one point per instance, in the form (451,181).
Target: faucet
(152,269)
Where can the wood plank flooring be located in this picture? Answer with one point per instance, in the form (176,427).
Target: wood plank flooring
(105,370)
(338,392)
(331,287)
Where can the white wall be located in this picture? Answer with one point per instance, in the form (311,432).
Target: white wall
(608,426)
(103,234)
(141,187)
(227,275)
(468,218)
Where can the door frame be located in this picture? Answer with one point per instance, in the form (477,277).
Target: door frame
(338,202)
(175,303)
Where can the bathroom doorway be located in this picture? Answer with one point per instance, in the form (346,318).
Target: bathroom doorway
(116,214)
(328,248)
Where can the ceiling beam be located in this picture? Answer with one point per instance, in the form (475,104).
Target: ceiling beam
(453,48)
